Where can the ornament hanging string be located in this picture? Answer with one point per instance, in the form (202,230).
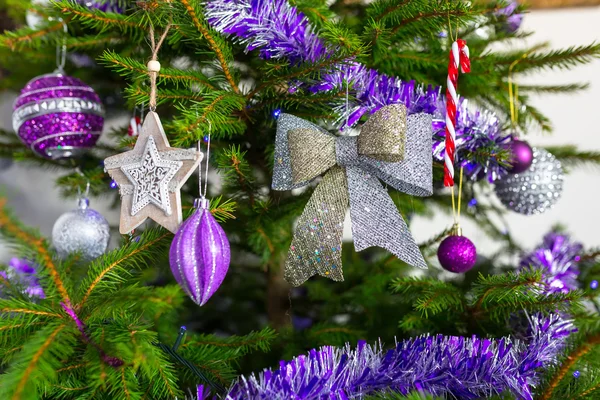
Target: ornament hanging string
(459,57)
(154,65)
(203,195)
(87,184)
(513,92)
(87,189)
(61,50)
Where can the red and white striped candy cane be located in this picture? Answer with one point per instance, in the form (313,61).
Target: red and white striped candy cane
(459,56)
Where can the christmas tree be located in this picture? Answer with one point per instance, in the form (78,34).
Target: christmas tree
(293,112)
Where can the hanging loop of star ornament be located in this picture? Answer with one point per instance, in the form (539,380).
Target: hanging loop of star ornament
(150,178)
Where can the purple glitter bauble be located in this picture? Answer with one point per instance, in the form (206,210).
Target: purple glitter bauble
(58,116)
(457,254)
(200,254)
(522,156)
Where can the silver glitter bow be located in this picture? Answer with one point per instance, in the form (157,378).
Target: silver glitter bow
(391,147)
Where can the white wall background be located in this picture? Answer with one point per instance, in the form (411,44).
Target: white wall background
(34,198)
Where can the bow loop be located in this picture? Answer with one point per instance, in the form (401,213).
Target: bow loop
(383,136)
(311,153)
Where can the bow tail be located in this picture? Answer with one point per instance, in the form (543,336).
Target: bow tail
(376,220)
(317,243)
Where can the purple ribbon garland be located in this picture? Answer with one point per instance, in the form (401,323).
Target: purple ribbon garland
(278,31)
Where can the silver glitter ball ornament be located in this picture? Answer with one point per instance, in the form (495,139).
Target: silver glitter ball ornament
(535,190)
(84,231)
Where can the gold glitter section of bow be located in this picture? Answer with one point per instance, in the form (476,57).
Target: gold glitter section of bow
(311,153)
(383,136)
(317,244)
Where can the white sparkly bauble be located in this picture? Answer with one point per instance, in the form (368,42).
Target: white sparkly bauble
(84,231)
(535,190)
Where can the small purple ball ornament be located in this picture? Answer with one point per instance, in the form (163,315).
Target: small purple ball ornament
(522,156)
(457,253)
(58,116)
(200,254)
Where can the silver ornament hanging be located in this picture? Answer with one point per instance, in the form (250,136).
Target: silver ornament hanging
(82,230)
(535,190)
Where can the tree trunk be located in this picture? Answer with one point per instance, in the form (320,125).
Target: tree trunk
(278,299)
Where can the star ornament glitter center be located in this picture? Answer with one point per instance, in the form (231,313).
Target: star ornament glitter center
(150,178)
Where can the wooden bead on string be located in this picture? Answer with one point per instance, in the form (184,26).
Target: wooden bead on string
(153,66)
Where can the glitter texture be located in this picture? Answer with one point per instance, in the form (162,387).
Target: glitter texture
(58,116)
(443,366)
(83,231)
(200,254)
(457,254)
(558,258)
(151,176)
(317,240)
(317,244)
(535,190)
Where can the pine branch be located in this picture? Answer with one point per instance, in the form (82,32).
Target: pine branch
(135,70)
(542,89)
(28,38)
(89,42)
(37,362)
(17,306)
(103,21)
(193,10)
(435,239)
(556,59)
(282,73)
(12,229)
(499,295)
(569,156)
(236,170)
(570,360)
(72,184)
(140,95)
(429,295)
(111,269)
(211,115)
(317,11)
(383,8)
(241,344)
(222,210)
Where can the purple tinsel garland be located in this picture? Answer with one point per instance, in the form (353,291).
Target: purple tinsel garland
(22,273)
(513,20)
(279,31)
(453,366)
(558,258)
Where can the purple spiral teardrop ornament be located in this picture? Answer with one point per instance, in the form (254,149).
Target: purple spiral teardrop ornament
(58,116)
(200,254)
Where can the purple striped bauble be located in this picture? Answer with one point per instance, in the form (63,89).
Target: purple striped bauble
(58,116)
(200,254)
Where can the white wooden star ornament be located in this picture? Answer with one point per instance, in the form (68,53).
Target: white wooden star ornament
(150,178)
